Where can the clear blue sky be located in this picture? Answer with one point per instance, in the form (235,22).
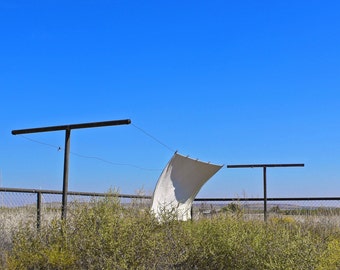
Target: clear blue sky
(231,82)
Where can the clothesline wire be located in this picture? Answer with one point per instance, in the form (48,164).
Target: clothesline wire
(40,142)
(108,161)
(59,148)
(160,142)
(153,137)
(113,163)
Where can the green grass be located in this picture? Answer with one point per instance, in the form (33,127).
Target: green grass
(104,234)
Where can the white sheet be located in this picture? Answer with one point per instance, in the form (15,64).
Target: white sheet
(179,184)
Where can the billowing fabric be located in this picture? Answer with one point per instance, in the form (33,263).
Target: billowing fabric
(179,184)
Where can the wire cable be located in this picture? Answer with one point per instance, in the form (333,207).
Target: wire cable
(59,148)
(154,138)
(42,143)
(113,163)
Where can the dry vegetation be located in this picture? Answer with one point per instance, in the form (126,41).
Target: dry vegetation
(105,234)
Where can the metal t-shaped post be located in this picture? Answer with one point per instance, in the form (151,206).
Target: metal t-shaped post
(265,166)
(68,129)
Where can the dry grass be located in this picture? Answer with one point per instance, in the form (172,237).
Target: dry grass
(104,234)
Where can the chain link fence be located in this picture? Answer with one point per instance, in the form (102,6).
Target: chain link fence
(36,207)
(323,210)
(19,206)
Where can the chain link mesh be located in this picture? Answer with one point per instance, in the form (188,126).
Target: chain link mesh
(18,208)
(308,210)
(21,208)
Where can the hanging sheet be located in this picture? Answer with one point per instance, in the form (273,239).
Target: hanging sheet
(179,184)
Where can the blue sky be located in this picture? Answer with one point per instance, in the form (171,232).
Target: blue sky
(230,82)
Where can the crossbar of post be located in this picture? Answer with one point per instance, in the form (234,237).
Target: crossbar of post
(72,126)
(265,166)
(68,129)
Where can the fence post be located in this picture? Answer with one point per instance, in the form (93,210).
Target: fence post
(38,209)
(265,193)
(65,175)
